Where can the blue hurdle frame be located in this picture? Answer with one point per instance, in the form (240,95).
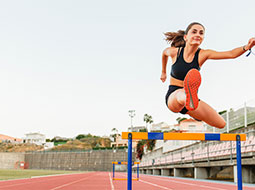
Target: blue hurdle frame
(129,175)
(213,137)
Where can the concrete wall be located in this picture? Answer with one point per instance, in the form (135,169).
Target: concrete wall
(9,160)
(100,160)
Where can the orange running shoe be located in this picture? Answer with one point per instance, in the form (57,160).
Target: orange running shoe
(192,82)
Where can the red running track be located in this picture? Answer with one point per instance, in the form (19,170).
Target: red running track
(103,181)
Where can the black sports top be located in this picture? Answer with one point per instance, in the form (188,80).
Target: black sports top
(180,68)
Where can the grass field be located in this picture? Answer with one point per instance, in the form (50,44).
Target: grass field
(19,174)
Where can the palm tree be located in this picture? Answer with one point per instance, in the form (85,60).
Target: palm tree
(147,119)
(114,134)
(179,119)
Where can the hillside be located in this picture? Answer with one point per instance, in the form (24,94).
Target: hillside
(81,142)
(24,147)
(86,143)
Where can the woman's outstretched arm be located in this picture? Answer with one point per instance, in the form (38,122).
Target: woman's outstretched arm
(211,54)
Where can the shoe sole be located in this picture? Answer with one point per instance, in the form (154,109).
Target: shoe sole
(192,82)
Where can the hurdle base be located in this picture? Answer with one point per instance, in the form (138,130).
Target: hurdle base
(134,179)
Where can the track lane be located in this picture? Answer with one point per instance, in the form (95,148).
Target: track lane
(44,183)
(103,181)
(179,183)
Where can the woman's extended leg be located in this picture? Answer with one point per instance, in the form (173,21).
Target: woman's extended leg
(204,112)
(207,114)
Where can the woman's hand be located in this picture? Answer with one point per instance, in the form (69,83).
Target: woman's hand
(163,77)
(250,44)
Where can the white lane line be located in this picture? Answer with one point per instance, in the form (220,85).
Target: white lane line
(12,185)
(28,181)
(29,178)
(162,187)
(111,181)
(56,175)
(64,185)
(192,184)
(153,184)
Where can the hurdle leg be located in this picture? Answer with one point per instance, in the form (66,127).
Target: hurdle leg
(137,172)
(113,171)
(129,184)
(239,163)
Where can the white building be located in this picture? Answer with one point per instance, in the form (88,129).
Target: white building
(5,138)
(162,126)
(36,138)
(48,145)
(123,142)
(137,128)
(193,126)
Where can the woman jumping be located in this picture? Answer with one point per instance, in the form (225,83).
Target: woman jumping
(185,79)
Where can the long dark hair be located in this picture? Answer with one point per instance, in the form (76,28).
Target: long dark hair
(176,38)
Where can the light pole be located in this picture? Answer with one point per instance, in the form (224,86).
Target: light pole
(131,114)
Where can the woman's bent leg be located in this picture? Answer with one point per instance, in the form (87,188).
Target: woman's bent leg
(176,100)
(207,114)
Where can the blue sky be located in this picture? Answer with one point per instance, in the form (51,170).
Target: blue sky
(71,67)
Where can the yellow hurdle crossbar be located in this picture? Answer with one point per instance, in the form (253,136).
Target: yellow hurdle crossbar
(184,136)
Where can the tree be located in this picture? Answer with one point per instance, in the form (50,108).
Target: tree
(140,149)
(114,134)
(147,119)
(150,144)
(143,130)
(179,119)
(80,136)
(222,112)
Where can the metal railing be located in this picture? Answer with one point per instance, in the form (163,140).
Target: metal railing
(237,117)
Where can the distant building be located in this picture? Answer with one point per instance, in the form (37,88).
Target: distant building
(192,125)
(162,126)
(241,111)
(36,138)
(122,142)
(237,118)
(48,145)
(5,138)
(137,128)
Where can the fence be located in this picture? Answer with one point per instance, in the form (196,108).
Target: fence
(99,160)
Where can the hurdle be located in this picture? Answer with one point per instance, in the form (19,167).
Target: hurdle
(124,163)
(185,136)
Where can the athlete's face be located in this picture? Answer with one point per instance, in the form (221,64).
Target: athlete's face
(195,35)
